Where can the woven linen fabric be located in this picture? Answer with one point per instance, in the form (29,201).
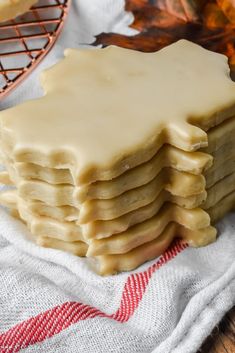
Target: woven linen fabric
(51,301)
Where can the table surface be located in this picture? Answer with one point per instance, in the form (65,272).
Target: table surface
(222,339)
(154,34)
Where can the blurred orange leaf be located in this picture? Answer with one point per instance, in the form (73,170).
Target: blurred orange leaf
(228,8)
(149,17)
(187,10)
(210,23)
(214,16)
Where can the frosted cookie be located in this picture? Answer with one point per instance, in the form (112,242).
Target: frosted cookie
(219,191)
(64,214)
(177,183)
(168,156)
(220,171)
(8,198)
(106,228)
(49,175)
(220,135)
(111,264)
(100,141)
(219,138)
(213,183)
(77,248)
(193,219)
(141,213)
(223,165)
(120,224)
(101,229)
(5,178)
(108,264)
(1,156)
(119,262)
(225,205)
(10,9)
(147,231)
(67,231)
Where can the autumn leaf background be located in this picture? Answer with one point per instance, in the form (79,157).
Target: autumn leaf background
(161,22)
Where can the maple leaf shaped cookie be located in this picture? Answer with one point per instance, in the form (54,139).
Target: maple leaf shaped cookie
(106,111)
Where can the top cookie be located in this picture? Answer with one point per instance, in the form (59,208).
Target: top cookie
(105,111)
(10,9)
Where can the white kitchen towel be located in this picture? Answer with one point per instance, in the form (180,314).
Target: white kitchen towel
(51,301)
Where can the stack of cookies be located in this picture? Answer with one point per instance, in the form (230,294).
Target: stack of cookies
(125,152)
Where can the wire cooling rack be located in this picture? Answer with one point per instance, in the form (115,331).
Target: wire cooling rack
(25,40)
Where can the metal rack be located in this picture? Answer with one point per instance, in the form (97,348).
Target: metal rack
(27,39)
